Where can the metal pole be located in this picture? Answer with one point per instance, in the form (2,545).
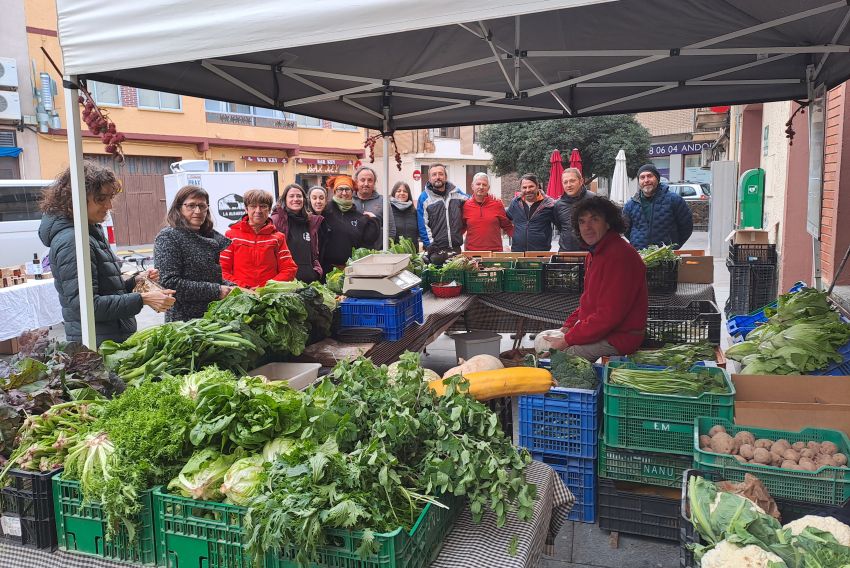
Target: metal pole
(81,216)
(387,212)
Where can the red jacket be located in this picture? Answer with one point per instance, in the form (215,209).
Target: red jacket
(484,224)
(252,259)
(615,300)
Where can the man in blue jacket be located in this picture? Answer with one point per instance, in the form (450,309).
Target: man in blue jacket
(655,215)
(440,212)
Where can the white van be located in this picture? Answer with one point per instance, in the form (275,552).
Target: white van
(19,220)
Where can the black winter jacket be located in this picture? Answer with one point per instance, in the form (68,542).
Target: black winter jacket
(568,241)
(669,223)
(188,263)
(406,223)
(534,233)
(343,232)
(115,304)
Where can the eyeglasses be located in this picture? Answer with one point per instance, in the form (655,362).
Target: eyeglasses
(199,206)
(344,189)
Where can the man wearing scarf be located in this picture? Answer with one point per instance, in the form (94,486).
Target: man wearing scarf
(345,228)
(574,192)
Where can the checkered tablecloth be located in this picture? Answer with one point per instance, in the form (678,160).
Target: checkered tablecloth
(469,545)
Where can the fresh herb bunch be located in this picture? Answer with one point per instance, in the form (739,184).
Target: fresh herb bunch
(681,357)
(670,381)
(653,255)
(572,372)
(375,452)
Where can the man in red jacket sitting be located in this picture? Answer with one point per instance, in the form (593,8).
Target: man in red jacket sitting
(611,317)
(257,252)
(484,217)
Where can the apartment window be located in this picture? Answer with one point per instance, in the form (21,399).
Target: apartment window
(765,139)
(343,126)
(104,93)
(307,121)
(221,166)
(450,132)
(476,132)
(158,100)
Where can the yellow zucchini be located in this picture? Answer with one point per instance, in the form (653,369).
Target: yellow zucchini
(511,381)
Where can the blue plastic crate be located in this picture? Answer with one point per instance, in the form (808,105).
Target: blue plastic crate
(744,324)
(392,315)
(562,422)
(837,369)
(579,475)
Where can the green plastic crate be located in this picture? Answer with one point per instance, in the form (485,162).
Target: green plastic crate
(496,263)
(649,468)
(526,276)
(487,281)
(828,485)
(447,276)
(195,533)
(81,527)
(655,422)
(399,549)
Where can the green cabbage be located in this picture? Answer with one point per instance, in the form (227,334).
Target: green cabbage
(243,480)
(202,476)
(277,447)
(193,382)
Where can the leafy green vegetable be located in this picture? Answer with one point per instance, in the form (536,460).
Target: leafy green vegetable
(243,480)
(681,357)
(653,255)
(572,372)
(670,381)
(335,279)
(203,474)
(278,447)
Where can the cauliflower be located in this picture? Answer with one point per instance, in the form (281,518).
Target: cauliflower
(728,555)
(836,528)
(719,496)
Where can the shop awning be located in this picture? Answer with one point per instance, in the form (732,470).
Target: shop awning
(10,152)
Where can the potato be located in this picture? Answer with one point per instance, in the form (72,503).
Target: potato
(791,455)
(790,464)
(808,454)
(762,456)
(716,430)
(780,443)
(744,437)
(741,459)
(704,441)
(722,443)
(839,459)
(746,451)
(814,446)
(825,459)
(798,446)
(763,443)
(828,448)
(775,458)
(807,465)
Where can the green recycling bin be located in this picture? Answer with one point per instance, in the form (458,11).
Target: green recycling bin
(751,199)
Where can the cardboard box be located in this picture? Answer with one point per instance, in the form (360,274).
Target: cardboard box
(749,237)
(507,254)
(537,254)
(689,252)
(9,346)
(792,402)
(696,269)
(477,253)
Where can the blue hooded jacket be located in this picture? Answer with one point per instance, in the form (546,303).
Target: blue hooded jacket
(669,222)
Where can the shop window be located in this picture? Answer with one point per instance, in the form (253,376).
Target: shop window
(308,121)
(157,100)
(222,166)
(104,93)
(343,126)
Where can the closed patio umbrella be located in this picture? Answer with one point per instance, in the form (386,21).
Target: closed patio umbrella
(620,179)
(554,188)
(575,160)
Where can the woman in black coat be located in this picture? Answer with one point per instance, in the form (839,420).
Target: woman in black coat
(404,213)
(344,228)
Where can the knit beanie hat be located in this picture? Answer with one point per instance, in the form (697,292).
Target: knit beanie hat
(341,181)
(651,169)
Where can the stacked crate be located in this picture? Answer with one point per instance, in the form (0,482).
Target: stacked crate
(646,446)
(561,429)
(752,277)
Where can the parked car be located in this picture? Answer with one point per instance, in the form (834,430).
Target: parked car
(691,191)
(19,220)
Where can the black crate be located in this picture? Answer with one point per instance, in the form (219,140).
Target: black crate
(751,287)
(623,507)
(697,322)
(663,278)
(26,507)
(564,275)
(788,509)
(752,254)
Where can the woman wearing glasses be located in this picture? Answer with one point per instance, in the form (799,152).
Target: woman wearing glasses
(344,227)
(115,303)
(187,255)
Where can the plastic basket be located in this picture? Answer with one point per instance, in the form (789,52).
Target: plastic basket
(579,475)
(416,548)
(659,423)
(564,275)
(626,508)
(199,533)
(487,281)
(563,422)
(751,286)
(496,263)
(789,510)
(744,324)
(663,470)
(828,485)
(81,527)
(525,277)
(752,253)
(392,315)
(697,322)
(26,509)
(663,277)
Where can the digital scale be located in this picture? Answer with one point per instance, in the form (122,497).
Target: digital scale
(379,276)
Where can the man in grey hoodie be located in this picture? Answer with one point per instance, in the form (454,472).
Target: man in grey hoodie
(371,203)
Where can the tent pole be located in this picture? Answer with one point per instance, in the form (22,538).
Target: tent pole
(386,184)
(81,217)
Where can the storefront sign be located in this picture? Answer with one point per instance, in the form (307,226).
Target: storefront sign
(264,159)
(323,166)
(670,148)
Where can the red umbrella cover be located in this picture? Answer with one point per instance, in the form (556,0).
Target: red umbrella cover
(554,188)
(575,160)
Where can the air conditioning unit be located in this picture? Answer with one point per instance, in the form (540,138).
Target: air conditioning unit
(10,106)
(8,72)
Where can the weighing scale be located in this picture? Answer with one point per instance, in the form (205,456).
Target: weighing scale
(379,276)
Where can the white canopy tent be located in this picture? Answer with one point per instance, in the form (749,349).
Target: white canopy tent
(400,64)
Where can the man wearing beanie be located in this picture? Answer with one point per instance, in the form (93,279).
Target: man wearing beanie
(655,215)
